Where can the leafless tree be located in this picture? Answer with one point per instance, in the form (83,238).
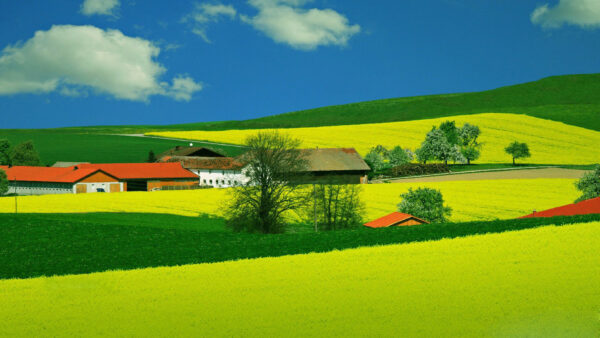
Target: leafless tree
(336,206)
(273,166)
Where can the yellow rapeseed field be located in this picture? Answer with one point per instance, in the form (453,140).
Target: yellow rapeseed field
(550,142)
(540,282)
(471,200)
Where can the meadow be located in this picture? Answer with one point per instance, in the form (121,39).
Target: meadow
(532,282)
(470,200)
(550,142)
(56,145)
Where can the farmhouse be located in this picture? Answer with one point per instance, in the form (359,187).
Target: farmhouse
(395,219)
(591,206)
(42,180)
(87,178)
(218,172)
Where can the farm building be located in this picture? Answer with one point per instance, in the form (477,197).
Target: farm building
(43,180)
(333,165)
(148,176)
(86,178)
(191,151)
(591,206)
(395,219)
(218,172)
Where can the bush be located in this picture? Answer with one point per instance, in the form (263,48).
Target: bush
(413,169)
(425,203)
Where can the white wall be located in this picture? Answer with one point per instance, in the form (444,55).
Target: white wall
(220,178)
(40,188)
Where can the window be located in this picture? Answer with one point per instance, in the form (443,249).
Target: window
(222,172)
(229,182)
(210,171)
(204,181)
(210,181)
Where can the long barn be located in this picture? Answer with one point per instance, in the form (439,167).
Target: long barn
(88,178)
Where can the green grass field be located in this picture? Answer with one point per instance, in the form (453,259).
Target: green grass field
(58,244)
(62,145)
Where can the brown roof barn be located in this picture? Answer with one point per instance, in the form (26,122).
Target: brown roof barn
(189,151)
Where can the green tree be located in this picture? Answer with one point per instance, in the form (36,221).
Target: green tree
(151,157)
(398,156)
(589,185)
(273,164)
(337,206)
(450,131)
(469,146)
(5,156)
(3,182)
(518,150)
(375,160)
(25,154)
(436,146)
(425,203)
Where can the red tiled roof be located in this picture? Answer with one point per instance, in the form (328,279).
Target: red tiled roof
(142,170)
(48,174)
(391,219)
(591,206)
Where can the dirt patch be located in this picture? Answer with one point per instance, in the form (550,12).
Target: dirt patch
(499,175)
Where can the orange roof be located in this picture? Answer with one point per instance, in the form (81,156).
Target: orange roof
(391,219)
(142,170)
(591,206)
(48,174)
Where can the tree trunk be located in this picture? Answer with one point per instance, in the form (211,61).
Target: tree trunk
(468,161)
(514,161)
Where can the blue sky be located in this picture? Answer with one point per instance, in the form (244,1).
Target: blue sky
(106,62)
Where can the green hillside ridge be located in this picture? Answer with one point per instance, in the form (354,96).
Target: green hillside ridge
(572,99)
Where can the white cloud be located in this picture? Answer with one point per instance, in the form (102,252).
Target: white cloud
(70,59)
(207,13)
(286,21)
(583,13)
(100,7)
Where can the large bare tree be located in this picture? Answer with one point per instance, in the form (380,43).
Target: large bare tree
(274,164)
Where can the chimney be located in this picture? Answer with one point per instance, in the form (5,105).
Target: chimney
(75,167)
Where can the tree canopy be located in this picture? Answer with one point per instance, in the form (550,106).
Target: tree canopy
(518,150)
(425,203)
(589,185)
(25,154)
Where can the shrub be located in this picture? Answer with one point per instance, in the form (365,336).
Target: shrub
(413,169)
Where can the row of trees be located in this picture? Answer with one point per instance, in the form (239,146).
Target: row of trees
(450,143)
(21,154)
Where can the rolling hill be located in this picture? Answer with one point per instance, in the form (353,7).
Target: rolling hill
(534,282)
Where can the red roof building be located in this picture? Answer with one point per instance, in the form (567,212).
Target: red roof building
(591,206)
(395,219)
(109,177)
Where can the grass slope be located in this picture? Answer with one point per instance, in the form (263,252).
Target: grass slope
(535,282)
(550,142)
(32,245)
(470,200)
(58,145)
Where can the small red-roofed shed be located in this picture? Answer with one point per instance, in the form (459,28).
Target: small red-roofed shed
(591,206)
(395,219)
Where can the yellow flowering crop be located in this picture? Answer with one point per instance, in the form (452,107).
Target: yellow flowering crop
(550,142)
(538,282)
(470,200)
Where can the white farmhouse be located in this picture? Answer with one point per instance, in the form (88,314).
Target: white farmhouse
(217,172)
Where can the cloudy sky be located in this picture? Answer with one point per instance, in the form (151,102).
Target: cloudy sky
(91,62)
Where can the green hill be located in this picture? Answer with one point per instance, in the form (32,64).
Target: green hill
(572,99)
